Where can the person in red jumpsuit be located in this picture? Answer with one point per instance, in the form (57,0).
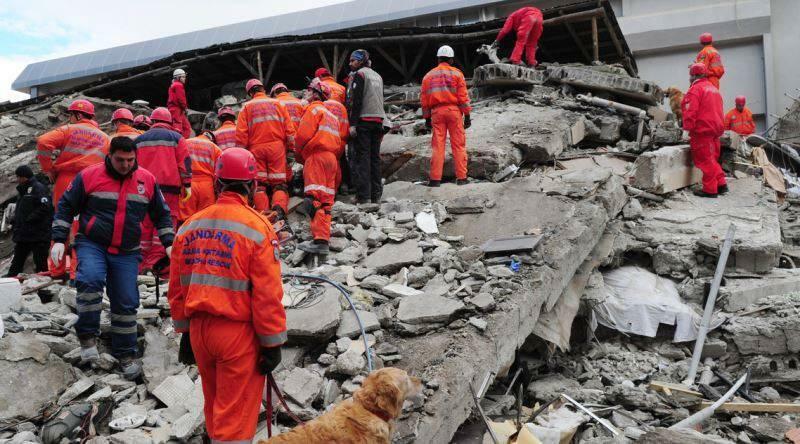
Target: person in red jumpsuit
(527,24)
(702,118)
(740,119)
(177,105)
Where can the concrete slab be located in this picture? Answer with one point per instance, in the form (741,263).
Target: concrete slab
(317,322)
(505,74)
(665,170)
(597,80)
(739,293)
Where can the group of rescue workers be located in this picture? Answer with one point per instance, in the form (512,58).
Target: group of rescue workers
(148,191)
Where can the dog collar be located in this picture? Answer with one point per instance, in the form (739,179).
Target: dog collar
(382,415)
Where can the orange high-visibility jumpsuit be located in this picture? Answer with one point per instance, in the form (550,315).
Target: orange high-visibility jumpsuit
(204,154)
(265,128)
(126,131)
(740,122)
(226,135)
(527,23)
(318,146)
(710,57)
(225,289)
(338,91)
(62,154)
(702,118)
(296,108)
(340,111)
(445,101)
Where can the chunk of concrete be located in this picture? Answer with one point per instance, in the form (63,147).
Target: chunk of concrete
(392,257)
(739,293)
(38,383)
(350,363)
(466,205)
(624,86)
(174,390)
(426,309)
(665,170)
(399,291)
(679,436)
(302,386)
(506,74)
(75,390)
(317,322)
(348,326)
(160,358)
(374,282)
(22,346)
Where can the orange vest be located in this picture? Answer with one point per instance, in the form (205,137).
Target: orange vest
(710,57)
(340,112)
(72,147)
(338,90)
(263,121)
(226,135)
(126,131)
(293,105)
(319,130)
(204,154)
(444,85)
(740,122)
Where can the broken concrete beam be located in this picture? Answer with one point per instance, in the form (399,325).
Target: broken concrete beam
(739,293)
(506,74)
(302,386)
(621,85)
(665,170)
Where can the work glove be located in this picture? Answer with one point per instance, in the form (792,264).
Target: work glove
(428,123)
(467,121)
(352,132)
(187,194)
(57,253)
(185,352)
(269,359)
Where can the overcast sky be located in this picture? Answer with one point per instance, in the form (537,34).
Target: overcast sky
(34,30)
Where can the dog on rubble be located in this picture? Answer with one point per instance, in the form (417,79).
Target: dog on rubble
(675,98)
(364,418)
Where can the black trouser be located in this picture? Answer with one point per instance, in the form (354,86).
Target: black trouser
(21,252)
(344,166)
(365,161)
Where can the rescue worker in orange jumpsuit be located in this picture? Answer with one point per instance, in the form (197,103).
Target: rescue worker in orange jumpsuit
(445,107)
(228,304)
(527,24)
(204,153)
(163,152)
(318,147)
(709,56)
(122,120)
(142,122)
(295,107)
(225,135)
(740,119)
(265,128)
(66,151)
(702,118)
(177,104)
(338,91)
(340,111)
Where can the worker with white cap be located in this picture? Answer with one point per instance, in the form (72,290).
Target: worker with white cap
(177,105)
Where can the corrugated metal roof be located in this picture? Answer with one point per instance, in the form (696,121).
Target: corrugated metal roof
(328,18)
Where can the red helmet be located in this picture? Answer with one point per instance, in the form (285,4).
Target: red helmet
(142,120)
(226,111)
(741,100)
(161,114)
(252,83)
(122,113)
(276,87)
(705,38)
(321,72)
(83,106)
(236,164)
(320,88)
(697,69)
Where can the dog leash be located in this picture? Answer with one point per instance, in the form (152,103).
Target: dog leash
(273,386)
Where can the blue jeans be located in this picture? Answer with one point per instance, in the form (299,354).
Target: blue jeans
(97,269)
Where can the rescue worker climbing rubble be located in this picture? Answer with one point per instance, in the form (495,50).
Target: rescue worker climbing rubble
(740,119)
(66,151)
(111,200)
(710,58)
(702,118)
(204,154)
(122,120)
(445,107)
(265,128)
(177,104)
(527,23)
(227,304)
(318,147)
(225,135)
(163,152)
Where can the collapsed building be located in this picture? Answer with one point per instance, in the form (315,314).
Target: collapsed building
(560,291)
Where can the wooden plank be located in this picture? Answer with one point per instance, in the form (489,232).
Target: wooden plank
(575,37)
(391,60)
(417,59)
(271,67)
(755,407)
(323,58)
(669,387)
(595,41)
(260,68)
(336,65)
(247,65)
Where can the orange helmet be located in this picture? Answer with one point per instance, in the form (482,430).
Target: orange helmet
(276,89)
(161,114)
(236,164)
(697,69)
(83,106)
(122,113)
(252,83)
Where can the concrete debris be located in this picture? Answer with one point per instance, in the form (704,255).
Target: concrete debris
(422,309)
(392,257)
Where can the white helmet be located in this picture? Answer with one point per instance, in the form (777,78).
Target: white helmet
(445,51)
(177,73)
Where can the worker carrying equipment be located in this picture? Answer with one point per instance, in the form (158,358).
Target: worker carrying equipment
(265,128)
(177,104)
(527,24)
(702,118)
(445,107)
(229,301)
(204,154)
(318,147)
(66,151)
(225,135)
(163,152)
(740,119)
(338,91)
(122,120)
(709,56)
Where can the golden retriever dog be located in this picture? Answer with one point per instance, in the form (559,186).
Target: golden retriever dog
(364,418)
(675,98)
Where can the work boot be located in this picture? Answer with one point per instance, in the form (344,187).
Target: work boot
(702,193)
(89,353)
(722,189)
(462,181)
(314,247)
(131,368)
(433,183)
